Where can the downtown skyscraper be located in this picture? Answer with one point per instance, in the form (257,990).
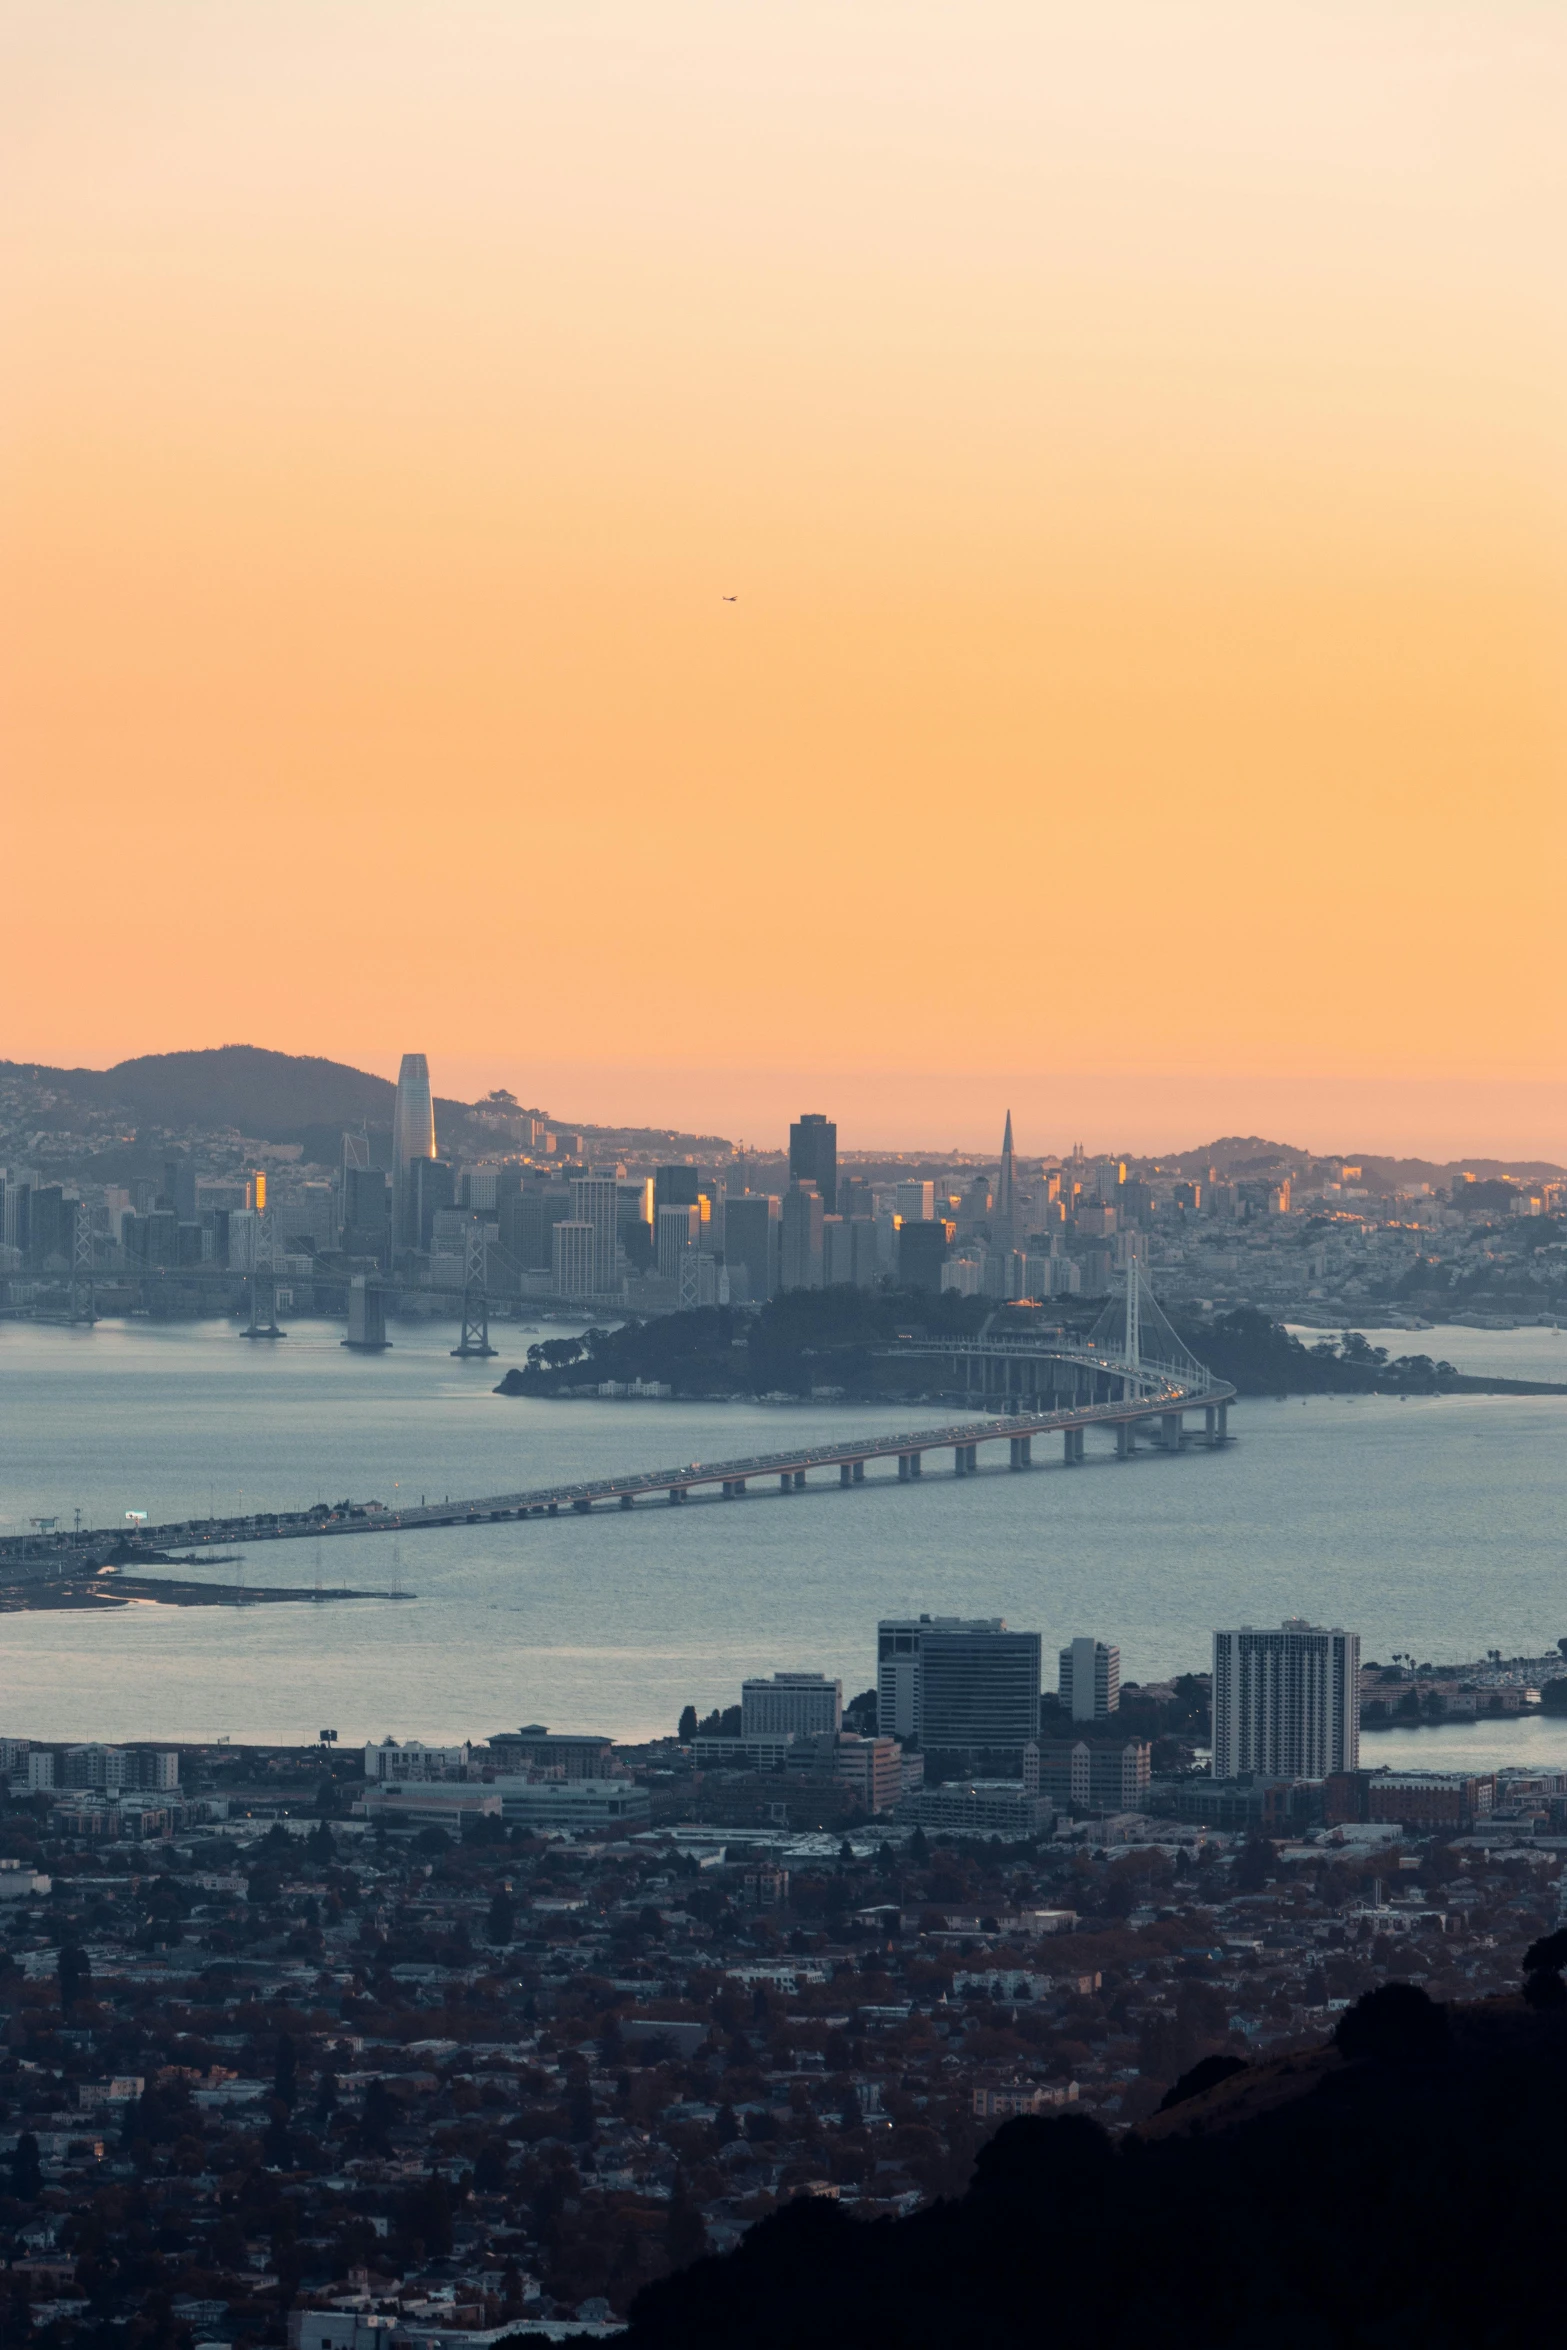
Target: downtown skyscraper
(413,1137)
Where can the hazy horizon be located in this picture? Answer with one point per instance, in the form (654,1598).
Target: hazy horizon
(964,1110)
(1133,439)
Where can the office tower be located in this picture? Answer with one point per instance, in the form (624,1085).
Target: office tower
(367,1208)
(634,1202)
(528,1222)
(791,1705)
(865,1251)
(752,1232)
(179,1187)
(1090,1684)
(915,1202)
(800,1238)
(52,1235)
(595,1200)
(677,1230)
(958,1684)
(17,1211)
(356,1154)
(480,1189)
(413,1137)
(573,1249)
(922,1251)
(16,1197)
(855,1197)
(1286,1704)
(850,1253)
(677,1187)
(813,1157)
(312,1215)
(431,1186)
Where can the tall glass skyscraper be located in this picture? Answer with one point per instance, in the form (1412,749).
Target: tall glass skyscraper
(413,1137)
(813,1156)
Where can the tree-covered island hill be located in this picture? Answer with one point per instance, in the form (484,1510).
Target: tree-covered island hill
(843,1342)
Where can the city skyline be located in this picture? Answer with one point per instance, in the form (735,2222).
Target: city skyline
(957,1112)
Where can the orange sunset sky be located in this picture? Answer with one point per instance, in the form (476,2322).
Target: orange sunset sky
(1133,434)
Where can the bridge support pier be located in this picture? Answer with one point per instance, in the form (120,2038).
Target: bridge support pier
(1170,1425)
(859,1472)
(1125,1439)
(1216,1423)
(845,1473)
(677,1494)
(903,1468)
(626,1501)
(1022,1452)
(799,1480)
(582,1507)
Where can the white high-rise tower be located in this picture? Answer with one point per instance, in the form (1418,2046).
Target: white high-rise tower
(1286,1704)
(413,1137)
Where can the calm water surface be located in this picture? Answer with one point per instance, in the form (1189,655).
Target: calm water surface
(1432,1526)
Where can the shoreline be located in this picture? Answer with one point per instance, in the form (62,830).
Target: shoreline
(1462,1383)
(90,1594)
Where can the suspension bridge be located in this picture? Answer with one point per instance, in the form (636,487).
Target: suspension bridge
(1131,1377)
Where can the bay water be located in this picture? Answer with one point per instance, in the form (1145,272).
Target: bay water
(1431,1525)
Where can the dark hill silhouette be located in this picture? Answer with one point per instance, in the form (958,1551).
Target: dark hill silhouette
(244,1085)
(1400,2188)
(274,1097)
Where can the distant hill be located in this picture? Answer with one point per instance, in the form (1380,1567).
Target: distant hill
(1251,1155)
(271,1097)
(268,1097)
(263,1093)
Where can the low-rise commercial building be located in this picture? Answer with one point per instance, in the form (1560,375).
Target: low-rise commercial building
(980,1807)
(570,1803)
(1089,1774)
(872,1768)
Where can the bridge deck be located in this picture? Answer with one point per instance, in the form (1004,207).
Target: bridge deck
(682,1478)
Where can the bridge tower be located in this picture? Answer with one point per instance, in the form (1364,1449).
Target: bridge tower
(84,1295)
(475,1338)
(263,1286)
(1134,1316)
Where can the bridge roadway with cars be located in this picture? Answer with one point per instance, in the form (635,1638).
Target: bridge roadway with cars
(1158,1405)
